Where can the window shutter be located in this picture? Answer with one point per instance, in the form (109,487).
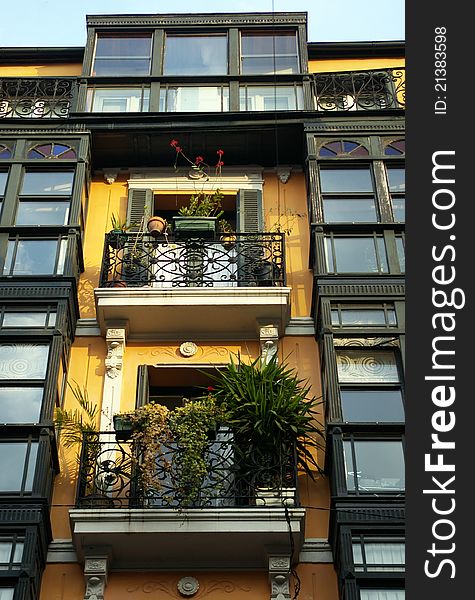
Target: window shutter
(249,211)
(139,206)
(142,386)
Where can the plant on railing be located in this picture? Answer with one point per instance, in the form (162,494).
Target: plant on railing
(271,413)
(201,203)
(74,424)
(153,428)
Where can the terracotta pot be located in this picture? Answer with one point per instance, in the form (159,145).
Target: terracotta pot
(156,226)
(228,240)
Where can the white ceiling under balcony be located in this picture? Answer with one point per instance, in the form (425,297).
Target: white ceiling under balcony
(208,538)
(199,313)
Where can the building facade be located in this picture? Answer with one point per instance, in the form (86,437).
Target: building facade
(312,140)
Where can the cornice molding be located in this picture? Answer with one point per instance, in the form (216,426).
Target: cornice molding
(220,19)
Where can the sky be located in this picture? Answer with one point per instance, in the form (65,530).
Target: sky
(59,23)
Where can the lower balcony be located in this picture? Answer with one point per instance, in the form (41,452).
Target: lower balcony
(210,287)
(237,517)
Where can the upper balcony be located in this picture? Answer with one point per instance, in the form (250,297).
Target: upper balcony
(381,89)
(238,516)
(210,287)
(37,98)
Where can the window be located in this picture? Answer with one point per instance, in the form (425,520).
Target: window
(52,150)
(363,315)
(370,555)
(6,593)
(395,148)
(23,361)
(5,151)
(264,52)
(401,253)
(35,257)
(196,55)
(122,54)
(374,465)
(194,99)
(17,465)
(355,254)
(343,148)
(397,187)
(118,99)
(45,197)
(267,97)
(30,318)
(370,385)
(11,553)
(3,185)
(348,195)
(381,594)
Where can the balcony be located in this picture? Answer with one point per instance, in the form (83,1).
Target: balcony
(211,288)
(37,98)
(237,515)
(383,89)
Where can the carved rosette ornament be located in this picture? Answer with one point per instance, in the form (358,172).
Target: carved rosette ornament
(188,586)
(188,349)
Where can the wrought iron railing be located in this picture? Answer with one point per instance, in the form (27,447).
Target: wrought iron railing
(110,476)
(239,259)
(360,90)
(36,98)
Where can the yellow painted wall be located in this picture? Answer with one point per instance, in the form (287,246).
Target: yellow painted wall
(66,70)
(353,64)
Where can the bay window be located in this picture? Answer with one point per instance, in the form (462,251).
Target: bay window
(122,54)
(118,100)
(268,52)
(194,98)
(196,54)
(268,97)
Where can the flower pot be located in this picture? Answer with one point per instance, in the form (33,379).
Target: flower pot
(194,227)
(228,240)
(123,427)
(117,239)
(156,226)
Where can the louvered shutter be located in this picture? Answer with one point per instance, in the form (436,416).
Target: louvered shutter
(142,386)
(249,211)
(139,208)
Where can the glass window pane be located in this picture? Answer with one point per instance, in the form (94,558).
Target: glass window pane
(7,548)
(399,208)
(20,404)
(24,319)
(118,100)
(358,255)
(6,593)
(197,99)
(12,466)
(396,179)
(379,594)
(379,556)
(34,257)
(346,180)
(372,406)
(196,55)
(363,316)
(23,361)
(357,365)
(401,254)
(349,210)
(3,181)
(38,183)
(379,465)
(42,213)
(269,52)
(270,98)
(122,55)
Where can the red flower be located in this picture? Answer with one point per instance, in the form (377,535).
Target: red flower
(210,388)
(219,163)
(220,152)
(174,143)
(178,148)
(199,160)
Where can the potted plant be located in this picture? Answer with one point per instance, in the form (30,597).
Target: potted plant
(116,237)
(273,417)
(199,217)
(157,226)
(228,237)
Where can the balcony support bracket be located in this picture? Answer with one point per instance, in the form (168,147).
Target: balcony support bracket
(96,570)
(279,576)
(269,340)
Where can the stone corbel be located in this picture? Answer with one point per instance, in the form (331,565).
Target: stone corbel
(115,339)
(269,340)
(279,577)
(96,569)
(283,173)
(110,176)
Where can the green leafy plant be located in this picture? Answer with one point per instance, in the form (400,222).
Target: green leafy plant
(271,412)
(74,424)
(118,224)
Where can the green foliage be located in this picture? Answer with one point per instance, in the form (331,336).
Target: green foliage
(270,411)
(203,205)
(73,425)
(118,224)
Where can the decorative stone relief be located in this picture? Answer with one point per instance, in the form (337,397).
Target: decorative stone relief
(110,176)
(206,588)
(95,574)
(283,173)
(366,342)
(188,586)
(115,339)
(188,349)
(269,338)
(279,577)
